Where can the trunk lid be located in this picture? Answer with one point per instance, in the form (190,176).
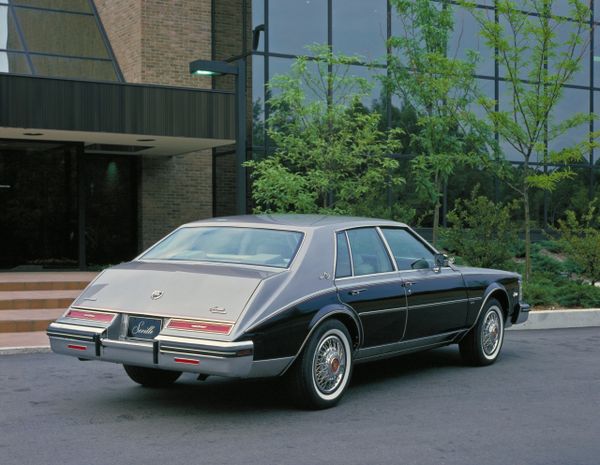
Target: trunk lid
(186,291)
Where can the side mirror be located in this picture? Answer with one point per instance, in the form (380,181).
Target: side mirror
(439,260)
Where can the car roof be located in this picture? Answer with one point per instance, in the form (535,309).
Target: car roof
(295,221)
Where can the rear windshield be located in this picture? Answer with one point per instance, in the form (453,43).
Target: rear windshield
(246,246)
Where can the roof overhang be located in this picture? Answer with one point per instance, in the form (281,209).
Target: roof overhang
(115,117)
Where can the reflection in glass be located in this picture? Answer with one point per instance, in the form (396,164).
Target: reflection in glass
(97,70)
(563,33)
(82,6)
(9,38)
(258,100)
(61,33)
(295,24)
(572,102)
(465,37)
(360,28)
(14,63)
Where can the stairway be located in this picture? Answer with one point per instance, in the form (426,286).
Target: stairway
(30,301)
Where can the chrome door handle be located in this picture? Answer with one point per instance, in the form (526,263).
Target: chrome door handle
(408,283)
(356,291)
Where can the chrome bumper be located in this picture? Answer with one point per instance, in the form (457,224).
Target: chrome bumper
(231,359)
(522,313)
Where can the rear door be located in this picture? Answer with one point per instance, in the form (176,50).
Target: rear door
(368,281)
(437,298)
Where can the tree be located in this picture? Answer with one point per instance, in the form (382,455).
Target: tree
(439,88)
(581,240)
(330,156)
(535,64)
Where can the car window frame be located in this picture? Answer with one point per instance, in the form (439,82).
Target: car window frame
(415,236)
(385,246)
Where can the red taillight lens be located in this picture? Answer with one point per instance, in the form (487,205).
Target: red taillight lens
(200,326)
(91,316)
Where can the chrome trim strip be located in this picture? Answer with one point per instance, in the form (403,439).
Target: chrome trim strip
(387,247)
(393,353)
(345,286)
(385,310)
(437,304)
(234,346)
(416,340)
(152,315)
(72,327)
(144,346)
(75,337)
(197,353)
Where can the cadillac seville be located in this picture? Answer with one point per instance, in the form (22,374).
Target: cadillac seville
(301,296)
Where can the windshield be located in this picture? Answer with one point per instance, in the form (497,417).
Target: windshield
(246,246)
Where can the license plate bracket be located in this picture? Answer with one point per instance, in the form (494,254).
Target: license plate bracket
(143,327)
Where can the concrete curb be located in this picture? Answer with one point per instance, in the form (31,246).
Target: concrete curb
(557,319)
(24,350)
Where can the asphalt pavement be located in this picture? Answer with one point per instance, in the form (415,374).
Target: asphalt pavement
(539,404)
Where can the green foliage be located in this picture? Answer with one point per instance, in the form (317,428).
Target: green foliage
(481,232)
(581,241)
(536,64)
(548,290)
(330,154)
(439,89)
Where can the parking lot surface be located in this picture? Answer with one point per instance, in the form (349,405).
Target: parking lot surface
(539,404)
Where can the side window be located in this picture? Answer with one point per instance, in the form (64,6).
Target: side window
(342,265)
(409,252)
(368,252)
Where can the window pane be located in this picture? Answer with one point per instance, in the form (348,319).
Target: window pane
(368,252)
(258,21)
(295,24)
(67,5)
(61,33)
(563,32)
(370,74)
(9,38)
(407,249)
(257,64)
(250,246)
(73,68)
(465,38)
(342,266)
(360,28)
(573,101)
(14,63)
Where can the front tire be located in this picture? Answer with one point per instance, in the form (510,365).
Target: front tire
(151,377)
(482,345)
(322,372)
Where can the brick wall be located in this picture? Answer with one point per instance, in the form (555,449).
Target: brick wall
(154,41)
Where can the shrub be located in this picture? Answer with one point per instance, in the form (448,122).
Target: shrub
(581,241)
(482,232)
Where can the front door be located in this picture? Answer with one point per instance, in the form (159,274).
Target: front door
(437,299)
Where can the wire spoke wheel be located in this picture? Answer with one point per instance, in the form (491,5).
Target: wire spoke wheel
(329,364)
(491,333)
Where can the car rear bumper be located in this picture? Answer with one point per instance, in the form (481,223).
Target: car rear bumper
(231,359)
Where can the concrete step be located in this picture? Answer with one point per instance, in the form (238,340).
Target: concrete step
(30,340)
(50,281)
(18,300)
(17,321)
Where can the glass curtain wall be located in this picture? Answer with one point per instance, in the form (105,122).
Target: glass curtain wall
(55,38)
(270,34)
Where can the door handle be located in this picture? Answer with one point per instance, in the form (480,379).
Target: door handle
(408,283)
(356,291)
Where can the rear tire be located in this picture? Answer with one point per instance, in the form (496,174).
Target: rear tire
(481,346)
(321,374)
(151,377)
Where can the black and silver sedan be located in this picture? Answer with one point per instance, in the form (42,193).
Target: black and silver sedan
(300,296)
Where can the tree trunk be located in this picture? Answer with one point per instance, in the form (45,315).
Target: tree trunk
(527,232)
(436,211)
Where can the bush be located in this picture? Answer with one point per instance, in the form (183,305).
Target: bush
(581,241)
(548,290)
(482,232)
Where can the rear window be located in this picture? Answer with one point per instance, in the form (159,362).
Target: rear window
(247,246)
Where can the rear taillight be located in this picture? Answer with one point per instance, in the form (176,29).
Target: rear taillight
(87,315)
(200,326)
